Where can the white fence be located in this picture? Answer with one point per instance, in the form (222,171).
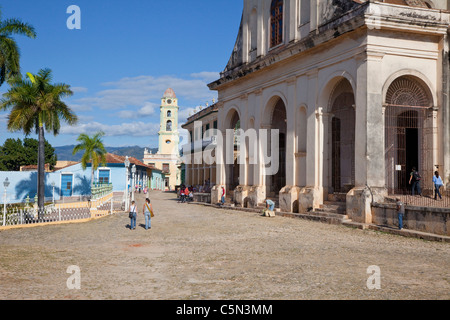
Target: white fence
(14,216)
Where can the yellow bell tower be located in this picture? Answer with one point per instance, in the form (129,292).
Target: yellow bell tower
(168,133)
(167,158)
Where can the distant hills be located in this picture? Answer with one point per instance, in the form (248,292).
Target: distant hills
(64,153)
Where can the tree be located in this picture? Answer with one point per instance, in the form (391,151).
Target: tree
(15,154)
(9,51)
(36,104)
(12,155)
(31,150)
(94,151)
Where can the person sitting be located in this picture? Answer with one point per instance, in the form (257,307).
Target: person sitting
(270,207)
(181,198)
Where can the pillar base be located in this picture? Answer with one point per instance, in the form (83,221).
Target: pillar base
(216,194)
(289,199)
(255,196)
(241,196)
(359,202)
(309,198)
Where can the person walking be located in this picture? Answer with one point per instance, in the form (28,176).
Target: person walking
(148,213)
(400,212)
(437,181)
(222,199)
(414,181)
(133,215)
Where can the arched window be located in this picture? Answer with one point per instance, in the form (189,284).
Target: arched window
(276,23)
(169,114)
(169,126)
(429,4)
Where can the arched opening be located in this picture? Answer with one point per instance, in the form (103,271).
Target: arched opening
(169,125)
(277,181)
(232,168)
(342,138)
(408,133)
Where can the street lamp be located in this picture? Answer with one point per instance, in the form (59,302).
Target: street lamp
(6,185)
(133,172)
(127,165)
(53,192)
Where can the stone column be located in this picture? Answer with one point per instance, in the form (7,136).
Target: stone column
(288,196)
(369,139)
(311,195)
(220,157)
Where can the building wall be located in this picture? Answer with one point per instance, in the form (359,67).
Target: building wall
(368,58)
(23,184)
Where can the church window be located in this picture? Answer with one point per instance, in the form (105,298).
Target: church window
(169,126)
(169,114)
(305,12)
(276,23)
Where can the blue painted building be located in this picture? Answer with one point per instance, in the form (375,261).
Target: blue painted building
(73,181)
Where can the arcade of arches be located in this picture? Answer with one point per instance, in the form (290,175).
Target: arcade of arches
(407,132)
(357,102)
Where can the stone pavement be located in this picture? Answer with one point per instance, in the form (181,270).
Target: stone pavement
(200,252)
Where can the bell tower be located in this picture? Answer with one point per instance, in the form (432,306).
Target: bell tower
(167,159)
(168,133)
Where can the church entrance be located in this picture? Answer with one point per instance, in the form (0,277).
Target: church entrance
(232,169)
(408,134)
(279,122)
(342,138)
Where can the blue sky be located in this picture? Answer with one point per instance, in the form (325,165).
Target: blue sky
(125,56)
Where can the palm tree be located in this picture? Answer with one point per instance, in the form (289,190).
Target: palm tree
(36,104)
(9,51)
(94,151)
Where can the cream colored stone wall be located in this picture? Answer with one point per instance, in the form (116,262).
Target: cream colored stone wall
(369,58)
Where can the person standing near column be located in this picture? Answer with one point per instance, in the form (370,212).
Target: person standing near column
(222,199)
(400,212)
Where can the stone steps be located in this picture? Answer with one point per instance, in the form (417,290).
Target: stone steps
(333,207)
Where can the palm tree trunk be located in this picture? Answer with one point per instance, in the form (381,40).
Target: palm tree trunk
(41,169)
(92,175)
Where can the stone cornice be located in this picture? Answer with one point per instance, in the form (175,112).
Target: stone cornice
(372,15)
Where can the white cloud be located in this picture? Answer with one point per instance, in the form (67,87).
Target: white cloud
(183,114)
(79,89)
(79,107)
(147,110)
(206,76)
(137,91)
(133,129)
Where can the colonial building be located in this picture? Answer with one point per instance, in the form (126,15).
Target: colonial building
(167,158)
(198,170)
(359,91)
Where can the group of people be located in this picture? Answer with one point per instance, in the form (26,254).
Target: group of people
(415,179)
(186,194)
(147,211)
(139,189)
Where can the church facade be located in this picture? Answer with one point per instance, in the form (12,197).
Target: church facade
(167,158)
(357,90)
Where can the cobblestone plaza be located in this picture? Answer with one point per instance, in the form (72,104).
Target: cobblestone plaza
(195,252)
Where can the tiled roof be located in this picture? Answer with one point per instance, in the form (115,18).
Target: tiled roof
(115,159)
(170,94)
